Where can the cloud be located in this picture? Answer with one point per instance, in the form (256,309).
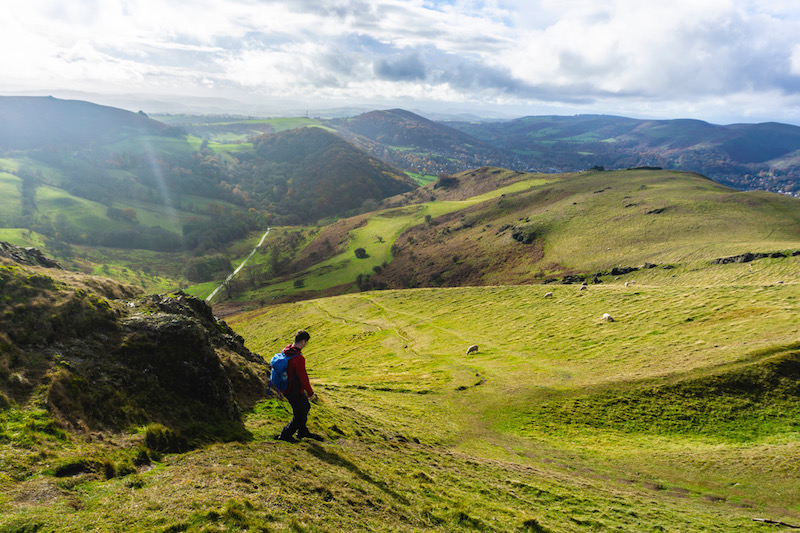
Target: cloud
(579,54)
(407,66)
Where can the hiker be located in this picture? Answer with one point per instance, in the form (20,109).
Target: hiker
(298,391)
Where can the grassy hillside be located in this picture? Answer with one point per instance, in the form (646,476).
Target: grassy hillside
(31,122)
(95,202)
(229,129)
(688,397)
(491,226)
(414,143)
(681,415)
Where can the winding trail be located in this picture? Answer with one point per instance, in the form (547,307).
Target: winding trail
(214,293)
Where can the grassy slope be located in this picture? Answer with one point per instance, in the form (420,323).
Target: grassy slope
(540,351)
(415,443)
(609,219)
(585,222)
(670,418)
(379,231)
(9,196)
(129,266)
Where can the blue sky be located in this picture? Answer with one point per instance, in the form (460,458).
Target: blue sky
(723,61)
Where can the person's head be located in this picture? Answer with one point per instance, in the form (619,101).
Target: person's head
(301,338)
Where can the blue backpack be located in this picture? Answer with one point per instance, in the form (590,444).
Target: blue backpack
(279,377)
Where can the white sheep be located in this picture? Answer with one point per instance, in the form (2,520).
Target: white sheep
(472,349)
(548,295)
(607,317)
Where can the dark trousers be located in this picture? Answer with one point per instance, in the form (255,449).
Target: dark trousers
(300,408)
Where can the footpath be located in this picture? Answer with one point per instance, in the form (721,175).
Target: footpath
(233,274)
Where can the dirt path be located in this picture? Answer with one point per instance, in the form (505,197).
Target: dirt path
(233,274)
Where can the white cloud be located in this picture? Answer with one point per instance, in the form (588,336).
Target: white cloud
(577,54)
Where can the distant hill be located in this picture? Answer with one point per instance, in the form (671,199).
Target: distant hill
(30,122)
(410,141)
(744,156)
(493,226)
(80,173)
(310,173)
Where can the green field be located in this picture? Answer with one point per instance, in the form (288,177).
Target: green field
(587,222)
(516,401)
(422,179)
(681,415)
(9,196)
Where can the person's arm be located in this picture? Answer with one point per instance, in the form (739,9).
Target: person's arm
(302,375)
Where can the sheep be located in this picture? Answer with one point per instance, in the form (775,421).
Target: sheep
(607,317)
(472,349)
(548,295)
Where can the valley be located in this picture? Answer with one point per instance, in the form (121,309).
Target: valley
(638,360)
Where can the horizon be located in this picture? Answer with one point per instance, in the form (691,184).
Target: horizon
(164,109)
(720,61)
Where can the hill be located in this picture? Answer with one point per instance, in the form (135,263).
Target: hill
(104,184)
(31,122)
(744,156)
(493,226)
(97,355)
(307,174)
(412,142)
(681,414)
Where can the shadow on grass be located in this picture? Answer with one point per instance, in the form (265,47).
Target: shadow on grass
(335,459)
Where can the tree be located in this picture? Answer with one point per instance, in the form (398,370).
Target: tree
(360,253)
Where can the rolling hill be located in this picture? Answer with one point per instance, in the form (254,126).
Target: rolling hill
(744,156)
(637,362)
(100,180)
(414,143)
(31,122)
(493,226)
(681,414)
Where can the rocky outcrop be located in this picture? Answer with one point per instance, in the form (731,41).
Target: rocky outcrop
(746,258)
(27,256)
(102,364)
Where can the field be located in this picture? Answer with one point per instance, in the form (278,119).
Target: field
(679,412)
(582,223)
(680,415)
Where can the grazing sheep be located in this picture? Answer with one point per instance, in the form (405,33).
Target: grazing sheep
(472,349)
(548,295)
(626,283)
(607,317)
(584,287)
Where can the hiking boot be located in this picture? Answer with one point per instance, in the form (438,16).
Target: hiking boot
(286,438)
(309,435)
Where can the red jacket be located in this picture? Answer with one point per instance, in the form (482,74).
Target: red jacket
(296,370)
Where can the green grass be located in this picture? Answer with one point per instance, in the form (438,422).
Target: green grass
(22,237)
(422,179)
(681,416)
(623,225)
(290,123)
(376,237)
(622,399)
(10,198)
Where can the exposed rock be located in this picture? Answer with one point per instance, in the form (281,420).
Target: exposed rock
(620,271)
(743,258)
(27,256)
(108,365)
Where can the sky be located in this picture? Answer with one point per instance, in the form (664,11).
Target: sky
(723,61)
